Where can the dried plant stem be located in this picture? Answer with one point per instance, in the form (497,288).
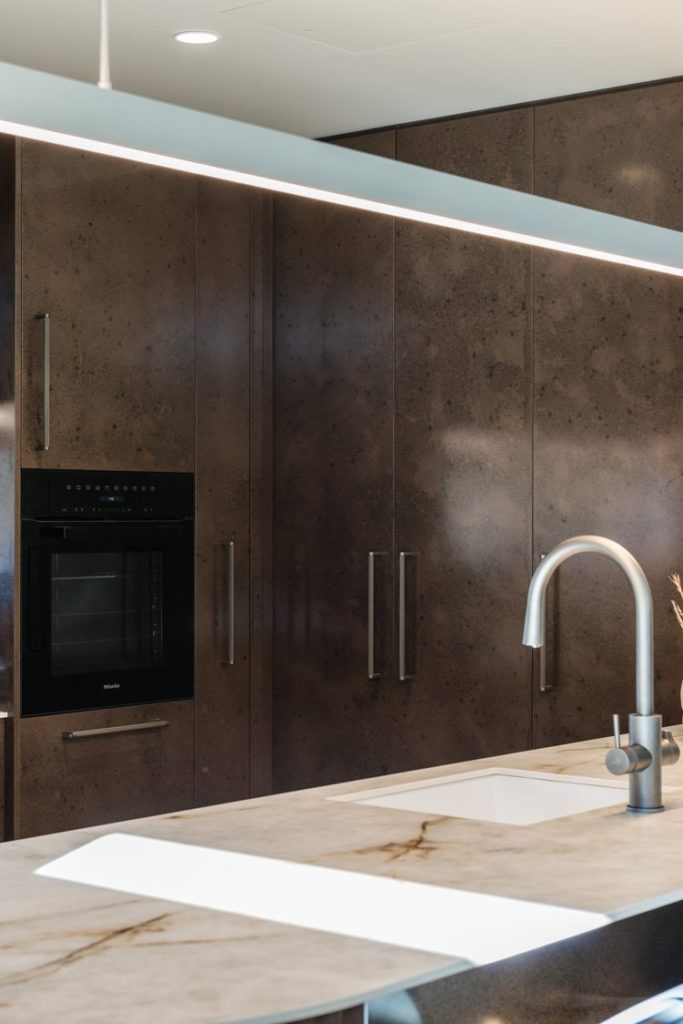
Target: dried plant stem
(678,611)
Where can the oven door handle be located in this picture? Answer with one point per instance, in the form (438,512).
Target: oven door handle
(92,530)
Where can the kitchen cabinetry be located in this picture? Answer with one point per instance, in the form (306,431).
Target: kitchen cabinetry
(109,765)
(402,372)
(531,396)
(463,457)
(148,278)
(222,619)
(608,379)
(108,250)
(333,490)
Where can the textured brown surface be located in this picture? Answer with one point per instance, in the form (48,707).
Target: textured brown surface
(223,478)
(108,251)
(463,455)
(261,512)
(492,342)
(608,428)
(333,488)
(71,784)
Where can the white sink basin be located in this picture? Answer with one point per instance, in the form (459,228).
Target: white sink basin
(501,795)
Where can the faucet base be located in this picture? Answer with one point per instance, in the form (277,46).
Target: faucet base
(645,787)
(645,810)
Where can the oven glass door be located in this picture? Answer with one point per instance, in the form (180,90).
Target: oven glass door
(107,614)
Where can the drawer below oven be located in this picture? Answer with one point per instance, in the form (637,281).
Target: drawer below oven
(94,767)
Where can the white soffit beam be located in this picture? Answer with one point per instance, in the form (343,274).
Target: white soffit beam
(59,110)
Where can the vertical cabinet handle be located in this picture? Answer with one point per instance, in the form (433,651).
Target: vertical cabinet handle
(231,603)
(372,674)
(544,681)
(403,673)
(45,318)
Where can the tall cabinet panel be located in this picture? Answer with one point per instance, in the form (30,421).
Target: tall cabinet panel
(108,252)
(463,459)
(608,381)
(333,489)
(223,500)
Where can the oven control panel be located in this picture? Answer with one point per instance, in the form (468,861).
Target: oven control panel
(85,494)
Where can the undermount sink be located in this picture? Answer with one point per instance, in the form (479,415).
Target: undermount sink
(502,795)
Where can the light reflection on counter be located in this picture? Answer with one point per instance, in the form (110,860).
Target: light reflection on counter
(475,927)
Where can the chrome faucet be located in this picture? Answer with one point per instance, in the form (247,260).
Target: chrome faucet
(649,747)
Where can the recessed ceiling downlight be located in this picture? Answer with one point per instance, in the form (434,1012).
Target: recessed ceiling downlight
(196,38)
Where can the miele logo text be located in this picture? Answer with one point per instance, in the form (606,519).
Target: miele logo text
(112,686)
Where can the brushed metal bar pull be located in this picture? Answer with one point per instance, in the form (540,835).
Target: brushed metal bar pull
(231,603)
(45,317)
(403,674)
(372,674)
(112,730)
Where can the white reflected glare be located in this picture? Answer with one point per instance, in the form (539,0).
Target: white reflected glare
(450,922)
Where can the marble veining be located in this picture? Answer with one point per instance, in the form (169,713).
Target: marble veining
(103,958)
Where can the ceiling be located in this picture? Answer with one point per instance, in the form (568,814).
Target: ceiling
(322,67)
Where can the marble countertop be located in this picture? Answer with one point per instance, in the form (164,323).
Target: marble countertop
(95,955)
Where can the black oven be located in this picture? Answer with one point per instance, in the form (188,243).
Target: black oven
(107,589)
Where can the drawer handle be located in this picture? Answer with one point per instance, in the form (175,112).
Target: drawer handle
(86,734)
(403,673)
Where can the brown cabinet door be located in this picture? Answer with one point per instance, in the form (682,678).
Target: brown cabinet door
(107,249)
(222,664)
(333,408)
(608,383)
(69,779)
(463,459)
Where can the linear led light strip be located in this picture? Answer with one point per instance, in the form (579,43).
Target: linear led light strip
(58,110)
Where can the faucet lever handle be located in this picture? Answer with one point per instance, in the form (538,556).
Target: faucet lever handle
(626,760)
(670,749)
(616,725)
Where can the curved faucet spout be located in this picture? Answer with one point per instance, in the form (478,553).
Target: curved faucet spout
(534,623)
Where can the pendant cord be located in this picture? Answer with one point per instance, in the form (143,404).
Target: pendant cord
(105,71)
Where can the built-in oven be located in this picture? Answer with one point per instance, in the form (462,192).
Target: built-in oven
(107,589)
